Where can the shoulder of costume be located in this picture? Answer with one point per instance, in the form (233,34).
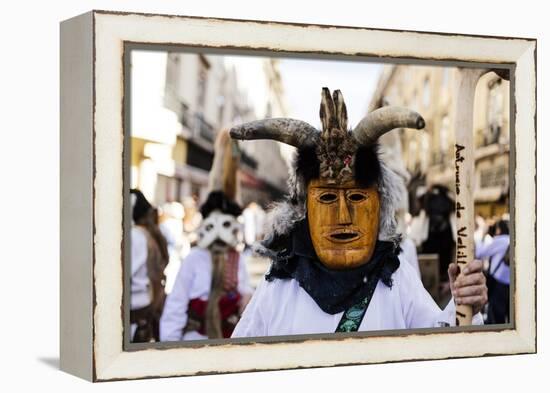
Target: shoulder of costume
(273,289)
(197,254)
(404,272)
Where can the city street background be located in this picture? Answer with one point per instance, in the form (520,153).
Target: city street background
(31,34)
(180,101)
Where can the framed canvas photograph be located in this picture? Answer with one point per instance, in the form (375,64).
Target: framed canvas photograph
(242,195)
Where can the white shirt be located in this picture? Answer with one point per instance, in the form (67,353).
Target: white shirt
(139,282)
(282,307)
(495,250)
(193,281)
(409,253)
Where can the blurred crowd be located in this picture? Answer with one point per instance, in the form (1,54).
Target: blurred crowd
(163,237)
(431,234)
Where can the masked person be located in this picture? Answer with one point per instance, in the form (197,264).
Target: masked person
(149,259)
(211,288)
(333,242)
(497,250)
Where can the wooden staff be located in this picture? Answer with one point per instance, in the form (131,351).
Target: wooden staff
(464,169)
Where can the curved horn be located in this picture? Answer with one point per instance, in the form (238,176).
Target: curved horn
(296,133)
(382,120)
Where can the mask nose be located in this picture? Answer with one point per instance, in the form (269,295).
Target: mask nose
(344,217)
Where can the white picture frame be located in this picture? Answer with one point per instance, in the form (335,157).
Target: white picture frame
(93,47)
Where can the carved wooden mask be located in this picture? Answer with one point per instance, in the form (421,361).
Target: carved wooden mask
(343,222)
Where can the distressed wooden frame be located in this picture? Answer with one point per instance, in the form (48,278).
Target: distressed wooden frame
(92,197)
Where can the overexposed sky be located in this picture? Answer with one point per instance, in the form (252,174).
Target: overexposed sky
(303,80)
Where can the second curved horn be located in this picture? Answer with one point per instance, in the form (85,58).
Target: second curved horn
(385,119)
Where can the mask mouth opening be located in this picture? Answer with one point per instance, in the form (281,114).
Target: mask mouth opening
(343,235)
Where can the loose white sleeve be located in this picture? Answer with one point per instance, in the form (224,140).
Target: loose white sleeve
(252,322)
(409,253)
(419,309)
(174,314)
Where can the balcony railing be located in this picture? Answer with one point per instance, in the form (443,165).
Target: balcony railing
(203,129)
(198,127)
(185,116)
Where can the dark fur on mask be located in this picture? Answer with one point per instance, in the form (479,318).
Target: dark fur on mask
(369,170)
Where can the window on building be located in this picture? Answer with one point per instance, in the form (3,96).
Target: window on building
(424,151)
(237,116)
(220,102)
(412,158)
(444,134)
(173,72)
(204,66)
(414,101)
(445,79)
(495,112)
(441,142)
(185,115)
(495,176)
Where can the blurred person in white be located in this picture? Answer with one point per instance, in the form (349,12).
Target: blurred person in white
(149,257)
(211,288)
(496,248)
(254,218)
(171,226)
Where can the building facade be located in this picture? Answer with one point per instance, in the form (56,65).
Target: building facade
(427,156)
(179,102)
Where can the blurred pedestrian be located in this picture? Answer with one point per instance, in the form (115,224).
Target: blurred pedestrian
(211,288)
(149,259)
(433,230)
(496,250)
(171,226)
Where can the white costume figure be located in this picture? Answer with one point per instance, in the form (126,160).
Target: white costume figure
(211,287)
(193,282)
(139,282)
(333,242)
(149,255)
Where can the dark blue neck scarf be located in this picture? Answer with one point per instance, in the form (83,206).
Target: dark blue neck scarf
(333,290)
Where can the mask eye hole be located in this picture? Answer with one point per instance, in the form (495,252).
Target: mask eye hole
(209,227)
(356,197)
(226,224)
(328,197)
